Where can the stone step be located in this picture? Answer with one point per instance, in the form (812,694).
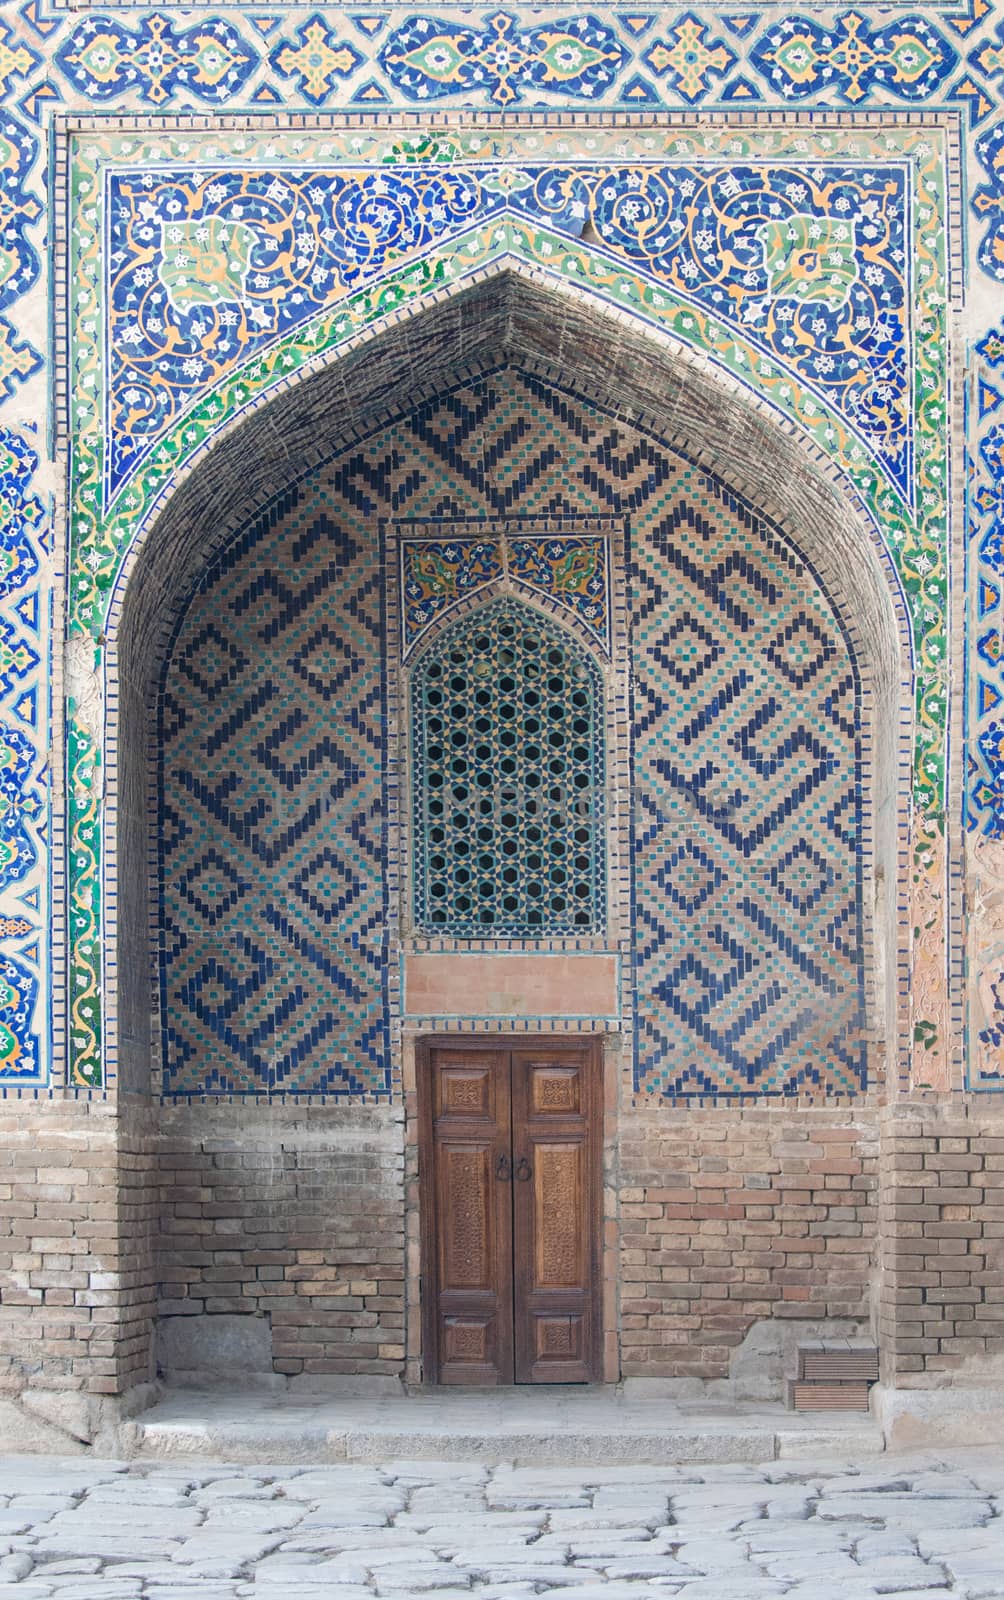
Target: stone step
(548,1428)
(818,1395)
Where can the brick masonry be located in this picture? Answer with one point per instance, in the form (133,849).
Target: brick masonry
(887,1219)
(294,1217)
(728,1218)
(941,1299)
(76,1281)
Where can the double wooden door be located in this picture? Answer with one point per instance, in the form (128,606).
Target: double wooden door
(510,1188)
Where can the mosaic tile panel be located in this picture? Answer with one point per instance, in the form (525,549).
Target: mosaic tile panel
(508,775)
(748,950)
(103,59)
(206,268)
(916,541)
(704,56)
(485,57)
(428,59)
(909,58)
(571,569)
(988,200)
(23,766)
(272,836)
(746,919)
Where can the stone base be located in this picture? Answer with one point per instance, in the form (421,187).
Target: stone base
(66,1422)
(912,1419)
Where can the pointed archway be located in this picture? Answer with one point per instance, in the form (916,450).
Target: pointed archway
(446,451)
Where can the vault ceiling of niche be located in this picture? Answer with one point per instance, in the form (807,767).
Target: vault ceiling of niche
(506,318)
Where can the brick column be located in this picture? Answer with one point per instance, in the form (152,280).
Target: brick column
(941,1210)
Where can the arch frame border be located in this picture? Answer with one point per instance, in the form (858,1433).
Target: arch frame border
(91,901)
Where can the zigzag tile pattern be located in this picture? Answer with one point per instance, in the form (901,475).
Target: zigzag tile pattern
(747,965)
(748,810)
(272,836)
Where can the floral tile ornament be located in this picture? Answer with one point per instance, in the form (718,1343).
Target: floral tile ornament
(19,1044)
(103,59)
(988,200)
(689,61)
(207,267)
(430,59)
(21,513)
(437,573)
(19,263)
(23,802)
(17,59)
(317,58)
(570,569)
(908,58)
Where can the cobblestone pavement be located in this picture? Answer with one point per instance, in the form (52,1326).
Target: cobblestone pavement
(927,1528)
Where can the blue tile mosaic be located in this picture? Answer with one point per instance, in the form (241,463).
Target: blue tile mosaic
(273,968)
(748,955)
(800,57)
(104,58)
(430,58)
(570,568)
(208,267)
(988,200)
(748,963)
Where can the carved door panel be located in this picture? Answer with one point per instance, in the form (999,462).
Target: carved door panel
(555,1247)
(510,1213)
(470,1104)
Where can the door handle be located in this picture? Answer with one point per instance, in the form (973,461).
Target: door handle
(503,1170)
(524,1171)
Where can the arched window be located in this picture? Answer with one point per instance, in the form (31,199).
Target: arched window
(508,779)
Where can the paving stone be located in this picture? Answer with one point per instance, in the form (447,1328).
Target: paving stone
(604,1539)
(542,1575)
(920,1531)
(122,1520)
(257,1516)
(890,1542)
(112,1547)
(79,1567)
(202,1591)
(645,1567)
(515,1522)
(879,1507)
(921,1594)
(16,1566)
(417,1580)
(890,1573)
(324,1590)
(12,1522)
(606,1590)
(388,1592)
(209,1547)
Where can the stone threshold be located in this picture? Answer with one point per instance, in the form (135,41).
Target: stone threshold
(546,1426)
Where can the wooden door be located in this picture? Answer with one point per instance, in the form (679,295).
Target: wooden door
(510,1212)
(555,1255)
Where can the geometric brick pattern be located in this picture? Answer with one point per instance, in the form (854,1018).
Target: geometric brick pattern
(748,808)
(273,962)
(746,803)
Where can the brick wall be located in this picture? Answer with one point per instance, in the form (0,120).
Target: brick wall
(941,1300)
(297,1215)
(729,1217)
(75,1288)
